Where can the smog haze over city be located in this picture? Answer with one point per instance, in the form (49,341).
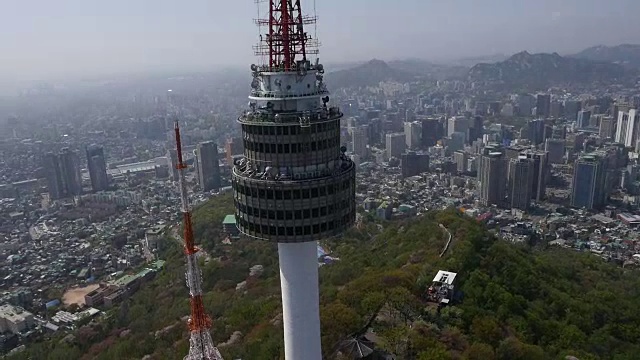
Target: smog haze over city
(43,40)
(446,180)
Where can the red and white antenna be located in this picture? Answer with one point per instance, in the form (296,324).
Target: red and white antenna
(201,345)
(285,41)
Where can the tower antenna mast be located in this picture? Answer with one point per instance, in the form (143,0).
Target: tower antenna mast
(200,343)
(286,41)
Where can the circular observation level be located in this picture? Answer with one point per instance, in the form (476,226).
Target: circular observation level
(289,211)
(294,183)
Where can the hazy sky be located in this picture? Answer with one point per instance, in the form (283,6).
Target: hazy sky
(51,38)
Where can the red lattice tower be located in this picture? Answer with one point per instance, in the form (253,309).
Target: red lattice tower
(201,345)
(285,41)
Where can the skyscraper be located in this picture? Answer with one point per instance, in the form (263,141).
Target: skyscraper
(431,132)
(535,131)
(97,168)
(412,133)
(54,176)
(607,128)
(233,147)
(571,108)
(360,140)
(208,166)
(70,166)
(491,178)
(172,162)
(556,149)
(295,184)
(412,164)
(63,174)
(543,105)
(588,185)
(520,182)
(627,127)
(583,119)
(461,158)
(476,130)
(395,144)
(457,124)
(539,174)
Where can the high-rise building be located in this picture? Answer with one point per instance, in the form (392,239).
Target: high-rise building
(70,164)
(588,186)
(455,142)
(360,140)
(543,105)
(375,131)
(232,148)
(412,164)
(63,174)
(395,144)
(556,109)
(54,176)
(627,127)
(457,124)
(208,166)
(571,108)
(535,132)
(584,116)
(491,178)
(298,187)
(476,129)
(412,133)
(172,162)
(540,173)
(461,160)
(97,168)
(556,149)
(558,132)
(525,104)
(607,128)
(431,132)
(520,182)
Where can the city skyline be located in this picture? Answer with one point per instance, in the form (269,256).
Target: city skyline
(45,40)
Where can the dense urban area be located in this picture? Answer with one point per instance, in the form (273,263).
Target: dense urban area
(538,151)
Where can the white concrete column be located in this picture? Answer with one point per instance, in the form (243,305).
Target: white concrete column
(300,300)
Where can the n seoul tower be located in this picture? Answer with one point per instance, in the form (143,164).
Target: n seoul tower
(294,185)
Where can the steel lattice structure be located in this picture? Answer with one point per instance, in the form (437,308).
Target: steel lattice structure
(286,40)
(201,345)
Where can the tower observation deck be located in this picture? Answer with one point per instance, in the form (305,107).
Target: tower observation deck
(294,185)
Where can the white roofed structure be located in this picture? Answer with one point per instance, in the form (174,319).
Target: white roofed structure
(445,277)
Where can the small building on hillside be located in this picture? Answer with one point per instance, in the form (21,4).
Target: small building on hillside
(442,289)
(229,226)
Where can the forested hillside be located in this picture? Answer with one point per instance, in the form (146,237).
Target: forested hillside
(518,303)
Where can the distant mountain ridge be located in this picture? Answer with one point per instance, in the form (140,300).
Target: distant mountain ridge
(370,73)
(375,71)
(624,54)
(542,70)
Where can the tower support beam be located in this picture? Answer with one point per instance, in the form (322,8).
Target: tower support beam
(300,300)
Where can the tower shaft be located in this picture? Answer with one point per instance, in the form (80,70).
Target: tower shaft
(300,300)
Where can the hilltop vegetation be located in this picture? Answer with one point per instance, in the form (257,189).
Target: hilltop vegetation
(539,71)
(624,54)
(519,303)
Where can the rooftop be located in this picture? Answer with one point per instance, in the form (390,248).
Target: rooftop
(125,280)
(229,220)
(445,277)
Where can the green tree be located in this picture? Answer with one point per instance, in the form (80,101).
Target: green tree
(479,351)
